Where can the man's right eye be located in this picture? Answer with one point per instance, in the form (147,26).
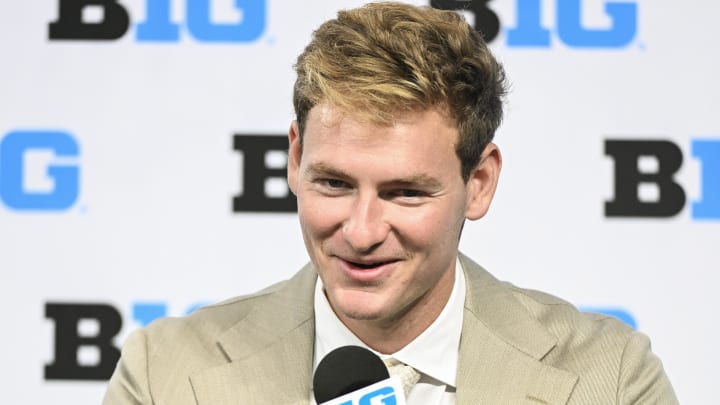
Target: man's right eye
(333,183)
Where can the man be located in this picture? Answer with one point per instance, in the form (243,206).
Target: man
(391,152)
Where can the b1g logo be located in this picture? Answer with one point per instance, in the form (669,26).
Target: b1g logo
(529,30)
(39,170)
(110,20)
(384,396)
(263,182)
(84,334)
(652,164)
(380,393)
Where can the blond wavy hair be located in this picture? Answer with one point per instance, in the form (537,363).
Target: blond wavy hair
(383,60)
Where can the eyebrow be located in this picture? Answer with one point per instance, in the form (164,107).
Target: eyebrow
(422,180)
(322,169)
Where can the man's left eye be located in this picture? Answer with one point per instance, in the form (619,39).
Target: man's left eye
(408,193)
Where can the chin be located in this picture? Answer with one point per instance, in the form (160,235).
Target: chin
(358,306)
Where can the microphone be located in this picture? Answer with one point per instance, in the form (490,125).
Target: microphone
(351,375)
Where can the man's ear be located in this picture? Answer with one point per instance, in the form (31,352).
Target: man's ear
(294,153)
(483,182)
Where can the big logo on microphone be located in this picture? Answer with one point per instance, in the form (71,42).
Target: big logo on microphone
(385,392)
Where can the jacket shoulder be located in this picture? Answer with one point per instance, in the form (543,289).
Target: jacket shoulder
(607,354)
(613,362)
(563,319)
(157,360)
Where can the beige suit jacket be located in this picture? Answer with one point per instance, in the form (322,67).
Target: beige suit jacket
(517,347)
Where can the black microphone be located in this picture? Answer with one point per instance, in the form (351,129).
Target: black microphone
(347,369)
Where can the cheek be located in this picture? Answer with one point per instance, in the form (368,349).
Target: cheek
(319,217)
(429,227)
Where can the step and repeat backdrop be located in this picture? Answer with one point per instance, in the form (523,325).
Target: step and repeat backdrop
(142,170)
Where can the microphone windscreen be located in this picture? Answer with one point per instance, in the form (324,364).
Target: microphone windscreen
(346,369)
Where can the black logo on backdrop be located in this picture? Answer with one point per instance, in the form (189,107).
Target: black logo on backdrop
(629,176)
(258,173)
(70,24)
(69,340)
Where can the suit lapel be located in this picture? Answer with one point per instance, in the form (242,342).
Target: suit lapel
(270,351)
(502,347)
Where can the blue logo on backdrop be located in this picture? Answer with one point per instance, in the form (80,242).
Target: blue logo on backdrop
(244,23)
(529,30)
(63,176)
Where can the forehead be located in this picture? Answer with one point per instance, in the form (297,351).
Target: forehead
(415,142)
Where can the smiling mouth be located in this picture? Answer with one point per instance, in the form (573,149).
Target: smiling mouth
(368,266)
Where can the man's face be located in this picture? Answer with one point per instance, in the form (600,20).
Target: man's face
(381,209)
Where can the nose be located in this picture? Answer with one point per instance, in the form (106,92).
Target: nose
(365,228)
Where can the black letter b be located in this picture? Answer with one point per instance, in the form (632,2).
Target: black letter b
(68,341)
(629,176)
(257,173)
(70,25)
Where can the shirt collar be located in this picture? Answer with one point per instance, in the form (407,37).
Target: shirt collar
(434,352)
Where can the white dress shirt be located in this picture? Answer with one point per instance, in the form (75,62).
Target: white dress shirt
(434,353)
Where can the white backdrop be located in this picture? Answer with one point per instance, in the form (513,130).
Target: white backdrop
(151,222)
